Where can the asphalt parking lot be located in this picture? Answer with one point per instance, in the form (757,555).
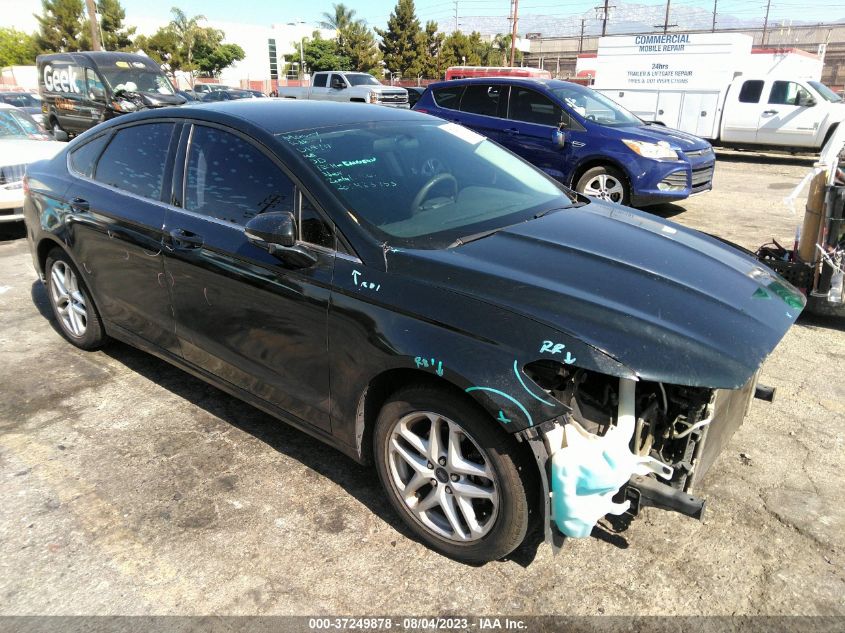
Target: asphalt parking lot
(130,487)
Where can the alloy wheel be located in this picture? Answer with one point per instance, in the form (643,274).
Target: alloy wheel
(443,477)
(605,187)
(68,299)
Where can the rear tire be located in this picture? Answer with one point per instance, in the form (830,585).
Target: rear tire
(467,495)
(606,183)
(73,307)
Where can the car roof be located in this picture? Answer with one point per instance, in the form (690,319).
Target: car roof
(279,116)
(517,81)
(104,58)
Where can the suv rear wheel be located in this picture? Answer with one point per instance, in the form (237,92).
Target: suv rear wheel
(451,475)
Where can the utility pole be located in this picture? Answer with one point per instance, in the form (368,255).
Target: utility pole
(580,40)
(666,26)
(456,15)
(766,21)
(513,31)
(604,12)
(713,28)
(95,29)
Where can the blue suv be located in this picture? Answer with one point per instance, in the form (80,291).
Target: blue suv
(578,136)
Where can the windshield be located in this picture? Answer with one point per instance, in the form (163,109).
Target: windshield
(20,100)
(136,80)
(15,124)
(825,92)
(361,79)
(424,184)
(595,107)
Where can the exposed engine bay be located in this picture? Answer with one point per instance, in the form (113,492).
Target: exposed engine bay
(681,427)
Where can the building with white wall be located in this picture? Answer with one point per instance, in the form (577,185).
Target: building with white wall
(267,50)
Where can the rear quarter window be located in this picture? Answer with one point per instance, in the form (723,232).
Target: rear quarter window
(448,97)
(320,80)
(83,160)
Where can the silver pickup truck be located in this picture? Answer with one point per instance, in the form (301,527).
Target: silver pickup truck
(348,86)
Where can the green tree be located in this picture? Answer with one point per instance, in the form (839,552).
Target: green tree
(163,46)
(323,54)
(61,26)
(432,67)
(459,49)
(116,36)
(17,48)
(360,49)
(402,41)
(211,55)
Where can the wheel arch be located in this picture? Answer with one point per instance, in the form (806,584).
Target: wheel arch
(598,161)
(47,244)
(384,385)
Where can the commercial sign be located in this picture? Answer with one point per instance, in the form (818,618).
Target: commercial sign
(679,61)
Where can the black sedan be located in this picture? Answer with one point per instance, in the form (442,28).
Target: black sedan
(415,296)
(231,94)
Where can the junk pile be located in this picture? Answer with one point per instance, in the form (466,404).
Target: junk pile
(816,262)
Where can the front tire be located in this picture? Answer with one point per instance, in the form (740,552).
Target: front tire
(71,301)
(452,476)
(606,183)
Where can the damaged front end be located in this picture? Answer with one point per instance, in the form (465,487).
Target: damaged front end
(627,444)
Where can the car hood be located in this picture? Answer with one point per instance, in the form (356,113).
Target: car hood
(24,151)
(655,133)
(671,304)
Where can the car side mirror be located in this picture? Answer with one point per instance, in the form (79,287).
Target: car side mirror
(276,232)
(806,101)
(558,136)
(98,94)
(338,84)
(60,135)
(276,227)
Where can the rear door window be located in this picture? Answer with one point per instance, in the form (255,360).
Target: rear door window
(482,99)
(448,97)
(135,159)
(751,91)
(230,179)
(320,80)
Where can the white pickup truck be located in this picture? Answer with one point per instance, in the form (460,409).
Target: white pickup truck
(348,86)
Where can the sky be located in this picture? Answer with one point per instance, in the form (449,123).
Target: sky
(148,15)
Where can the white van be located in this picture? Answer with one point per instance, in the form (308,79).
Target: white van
(716,87)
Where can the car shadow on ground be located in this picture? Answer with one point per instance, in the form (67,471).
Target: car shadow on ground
(821,321)
(359,481)
(768,158)
(10,231)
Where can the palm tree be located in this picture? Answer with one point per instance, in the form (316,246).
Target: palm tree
(187,30)
(339,21)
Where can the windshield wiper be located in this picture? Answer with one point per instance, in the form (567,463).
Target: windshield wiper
(475,236)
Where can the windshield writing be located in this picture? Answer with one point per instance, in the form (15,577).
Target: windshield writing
(425,184)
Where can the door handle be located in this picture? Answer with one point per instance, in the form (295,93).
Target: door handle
(185,240)
(80,204)
(770,111)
